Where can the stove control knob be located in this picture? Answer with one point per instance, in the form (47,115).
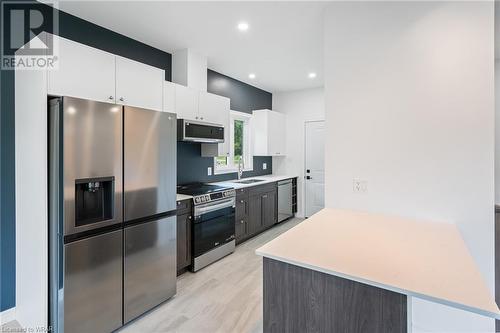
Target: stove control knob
(196,200)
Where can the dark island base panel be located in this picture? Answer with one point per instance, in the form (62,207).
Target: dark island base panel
(297,299)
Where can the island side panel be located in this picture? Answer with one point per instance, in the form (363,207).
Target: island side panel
(297,299)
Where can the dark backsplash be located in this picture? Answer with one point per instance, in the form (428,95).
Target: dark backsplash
(192,167)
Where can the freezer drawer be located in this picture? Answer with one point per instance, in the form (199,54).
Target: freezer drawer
(150,265)
(93,284)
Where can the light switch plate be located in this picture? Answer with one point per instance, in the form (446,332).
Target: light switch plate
(264,166)
(209,171)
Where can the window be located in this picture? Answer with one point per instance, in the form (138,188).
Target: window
(239,145)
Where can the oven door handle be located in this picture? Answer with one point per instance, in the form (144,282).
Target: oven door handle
(199,210)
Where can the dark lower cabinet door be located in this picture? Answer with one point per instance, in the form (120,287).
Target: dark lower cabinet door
(241,208)
(183,241)
(269,203)
(240,226)
(254,214)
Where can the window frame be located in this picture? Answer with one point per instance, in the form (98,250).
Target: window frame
(247,144)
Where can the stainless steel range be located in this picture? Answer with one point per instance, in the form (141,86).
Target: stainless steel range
(213,227)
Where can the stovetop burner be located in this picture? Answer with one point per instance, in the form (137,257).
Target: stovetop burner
(199,189)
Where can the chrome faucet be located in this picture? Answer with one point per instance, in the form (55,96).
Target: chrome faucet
(241,166)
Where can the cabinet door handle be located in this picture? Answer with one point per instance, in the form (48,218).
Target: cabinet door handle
(241,201)
(201,118)
(189,217)
(111,98)
(264,196)
(242,221)
(121,99)
(196,117)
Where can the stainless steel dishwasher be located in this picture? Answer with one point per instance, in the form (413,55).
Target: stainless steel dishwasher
(285,200)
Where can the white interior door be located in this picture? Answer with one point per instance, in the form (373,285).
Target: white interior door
(315,167)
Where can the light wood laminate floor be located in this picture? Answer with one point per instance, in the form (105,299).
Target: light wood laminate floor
(223,297)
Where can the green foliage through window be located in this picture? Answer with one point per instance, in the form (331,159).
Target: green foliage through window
(238,140)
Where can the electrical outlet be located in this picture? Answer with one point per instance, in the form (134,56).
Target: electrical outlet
(264,166)
(359,186)
(209,171)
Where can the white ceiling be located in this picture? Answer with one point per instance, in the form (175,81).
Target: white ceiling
(283,44)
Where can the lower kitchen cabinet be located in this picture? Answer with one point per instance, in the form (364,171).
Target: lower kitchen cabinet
(269,208)
(240,229)
(254,214)
(256,210)
(184,230)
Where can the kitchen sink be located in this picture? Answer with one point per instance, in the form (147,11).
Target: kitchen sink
(250,181)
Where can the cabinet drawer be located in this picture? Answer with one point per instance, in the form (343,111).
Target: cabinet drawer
(183,206)
(258,190)
(241,192)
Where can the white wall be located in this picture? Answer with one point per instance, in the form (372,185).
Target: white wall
(299,106)
(410,109)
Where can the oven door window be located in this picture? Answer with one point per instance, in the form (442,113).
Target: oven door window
(212,230)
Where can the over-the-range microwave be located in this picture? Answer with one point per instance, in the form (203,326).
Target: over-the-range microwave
(199,131)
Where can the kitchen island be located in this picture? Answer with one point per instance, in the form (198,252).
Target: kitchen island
(346,271)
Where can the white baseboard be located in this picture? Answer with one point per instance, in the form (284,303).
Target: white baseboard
(7,315)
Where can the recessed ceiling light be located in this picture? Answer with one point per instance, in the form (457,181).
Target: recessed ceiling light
(312,75)
(251,75)
(243,26)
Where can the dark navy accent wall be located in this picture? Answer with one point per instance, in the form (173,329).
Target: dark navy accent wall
(74,28)
(244,97)
(191,167)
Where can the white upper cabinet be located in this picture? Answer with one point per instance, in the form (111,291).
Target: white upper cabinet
(186,102)
(269,133)
(89,73)
(214,109)
(138,84)
(169,97)
(83,72)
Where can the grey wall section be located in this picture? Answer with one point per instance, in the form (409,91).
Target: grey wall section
(191,167)
(84,32)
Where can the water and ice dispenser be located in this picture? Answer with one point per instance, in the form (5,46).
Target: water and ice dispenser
(94,200)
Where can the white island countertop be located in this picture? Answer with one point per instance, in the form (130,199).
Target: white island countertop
(266,179)
(428,260)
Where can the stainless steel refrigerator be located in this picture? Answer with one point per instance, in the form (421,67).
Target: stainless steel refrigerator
(112,224)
